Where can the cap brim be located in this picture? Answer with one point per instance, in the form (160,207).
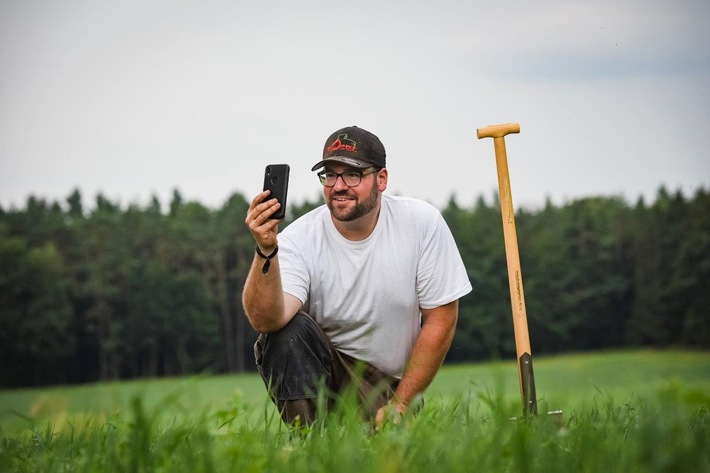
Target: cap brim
(356,163)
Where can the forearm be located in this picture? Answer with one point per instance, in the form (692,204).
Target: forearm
(428,353)
(262,297)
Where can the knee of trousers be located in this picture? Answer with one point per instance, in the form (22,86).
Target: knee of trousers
(295,360)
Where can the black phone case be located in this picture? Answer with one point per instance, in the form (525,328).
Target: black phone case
(276,180)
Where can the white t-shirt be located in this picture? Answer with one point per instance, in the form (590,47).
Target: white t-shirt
(366,295)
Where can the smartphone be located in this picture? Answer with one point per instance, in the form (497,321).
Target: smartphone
(276,180)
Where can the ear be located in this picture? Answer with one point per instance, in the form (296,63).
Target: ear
(382,179)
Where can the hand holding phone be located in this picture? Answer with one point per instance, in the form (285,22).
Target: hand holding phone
(276,181)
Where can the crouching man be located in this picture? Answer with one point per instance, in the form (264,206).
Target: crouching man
(366,283)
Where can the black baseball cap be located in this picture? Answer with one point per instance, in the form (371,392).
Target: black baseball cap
(355,147)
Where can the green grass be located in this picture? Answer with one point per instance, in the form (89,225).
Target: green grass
(623,411)
(572,380)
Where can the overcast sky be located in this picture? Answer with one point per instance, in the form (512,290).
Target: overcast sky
(137,98)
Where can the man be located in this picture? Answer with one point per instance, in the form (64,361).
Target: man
(367,284)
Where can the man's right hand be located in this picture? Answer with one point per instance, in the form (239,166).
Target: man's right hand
(261,226)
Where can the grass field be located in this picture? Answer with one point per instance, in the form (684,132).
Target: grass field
(623,411)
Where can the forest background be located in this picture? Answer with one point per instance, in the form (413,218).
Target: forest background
(116,292)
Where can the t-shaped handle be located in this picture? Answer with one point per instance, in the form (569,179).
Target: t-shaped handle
(512,256)
(498,131)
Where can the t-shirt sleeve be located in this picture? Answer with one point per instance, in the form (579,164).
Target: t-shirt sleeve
(441,275)
(295,279)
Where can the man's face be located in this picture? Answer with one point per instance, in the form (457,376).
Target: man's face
(348,203)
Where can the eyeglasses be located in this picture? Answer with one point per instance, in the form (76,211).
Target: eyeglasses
(350,178)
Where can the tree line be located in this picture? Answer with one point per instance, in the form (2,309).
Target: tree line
(113,293)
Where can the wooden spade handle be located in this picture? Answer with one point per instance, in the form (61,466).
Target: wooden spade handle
(512,255)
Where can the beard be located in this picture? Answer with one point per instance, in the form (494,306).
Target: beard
(359,210)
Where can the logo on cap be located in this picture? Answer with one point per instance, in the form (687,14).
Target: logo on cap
(343,143)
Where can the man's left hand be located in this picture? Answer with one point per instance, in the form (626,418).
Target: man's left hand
(392,412)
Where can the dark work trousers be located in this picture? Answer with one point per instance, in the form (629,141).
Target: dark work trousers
(297,361)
